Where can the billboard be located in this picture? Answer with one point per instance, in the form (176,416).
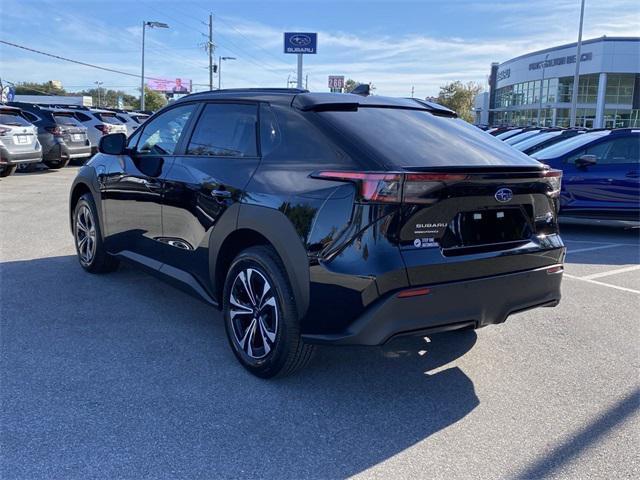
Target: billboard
(300,42)
(336,82)
(170,85)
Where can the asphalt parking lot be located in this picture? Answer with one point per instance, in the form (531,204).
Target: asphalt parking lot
(123,376)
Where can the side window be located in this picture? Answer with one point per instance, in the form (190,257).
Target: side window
(30,116)
(269,131)
(599,150)
(161,135)
(623,150)
(225,130)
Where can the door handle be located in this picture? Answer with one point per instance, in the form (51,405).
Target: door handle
(221,193)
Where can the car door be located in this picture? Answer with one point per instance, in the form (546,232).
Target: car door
(132,184)
(221,154)
(610,187)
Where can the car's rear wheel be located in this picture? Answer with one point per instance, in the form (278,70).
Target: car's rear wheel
(260,315)
(92,254)
(8,170)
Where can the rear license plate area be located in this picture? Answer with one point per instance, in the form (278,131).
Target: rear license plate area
(489,226)
(22,139)
(77,137)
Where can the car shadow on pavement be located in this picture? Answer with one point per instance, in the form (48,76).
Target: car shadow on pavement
(121,375)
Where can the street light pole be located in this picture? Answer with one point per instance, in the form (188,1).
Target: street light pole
(98,84)
(576,76)
(544,65)
(144,25)
(220,60)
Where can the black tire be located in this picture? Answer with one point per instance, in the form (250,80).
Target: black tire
(261,354)
(85,220)
(55,165)
(8,170)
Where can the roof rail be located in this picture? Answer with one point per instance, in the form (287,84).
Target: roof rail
(252,90)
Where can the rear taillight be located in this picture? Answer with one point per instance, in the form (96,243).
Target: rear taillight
(57,131)
(4,131)
(554,178)
(104,128)
(372,186)
(393,187)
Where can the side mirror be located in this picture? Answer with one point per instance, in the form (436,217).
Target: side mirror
(586,161)
(113,144)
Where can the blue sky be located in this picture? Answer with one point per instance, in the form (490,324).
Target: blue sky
(394,44)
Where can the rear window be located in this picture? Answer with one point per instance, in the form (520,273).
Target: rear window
(520,137)
(568,145)
(140,118)
(535,140)
(416,138)
(11,118)
(66,119)
(108,118)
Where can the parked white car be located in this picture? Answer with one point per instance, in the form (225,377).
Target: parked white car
(132,120)
(19,143)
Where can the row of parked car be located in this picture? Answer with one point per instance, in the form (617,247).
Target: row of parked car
(601,167)
(57,134)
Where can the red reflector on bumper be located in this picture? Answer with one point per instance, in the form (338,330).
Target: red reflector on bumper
(414,292)
(555,269)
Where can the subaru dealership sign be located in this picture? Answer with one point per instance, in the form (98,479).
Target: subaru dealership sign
(300,42)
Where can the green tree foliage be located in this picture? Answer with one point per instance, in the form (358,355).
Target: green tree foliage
(459,97)
(350,84)
(33,88)
(152,100)
(109,98)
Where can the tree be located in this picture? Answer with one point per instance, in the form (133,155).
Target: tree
(33,88)
(152,100)
(109,98)
(460,97)
(349,85)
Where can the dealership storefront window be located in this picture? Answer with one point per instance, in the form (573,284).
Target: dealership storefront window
(519,102)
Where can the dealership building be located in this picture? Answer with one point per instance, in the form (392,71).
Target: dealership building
(536,88)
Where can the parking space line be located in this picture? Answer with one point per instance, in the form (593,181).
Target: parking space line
(602,284)
(588,249)
(571,240)
(611,272)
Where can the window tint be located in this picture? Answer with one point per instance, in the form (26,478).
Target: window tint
(416,138)
(30,116)
(14,119)
(225,130)
(161,135)
(269,131)
(108,118)
(535,140)
(66,119)
(617,151)
(83,117)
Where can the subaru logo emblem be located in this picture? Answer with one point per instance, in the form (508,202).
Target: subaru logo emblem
(300,40)
(504,195)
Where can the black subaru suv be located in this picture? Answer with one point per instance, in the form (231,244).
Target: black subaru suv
(321,218)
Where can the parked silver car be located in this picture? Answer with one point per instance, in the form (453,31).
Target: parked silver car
(18,141)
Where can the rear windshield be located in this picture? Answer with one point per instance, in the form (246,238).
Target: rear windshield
(140,118)
(108,118)
(66,119)
(10,118)
(535,140)
(508,134)
(416,138)
(568,145)
(521,136)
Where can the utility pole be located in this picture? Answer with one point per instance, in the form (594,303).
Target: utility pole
(576,76)
(306,82)
(211,49)
(144,24)
(413,89)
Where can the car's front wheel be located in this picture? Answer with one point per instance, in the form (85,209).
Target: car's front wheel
(92,254)
(260,315)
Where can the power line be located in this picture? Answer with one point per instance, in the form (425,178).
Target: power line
(78,62)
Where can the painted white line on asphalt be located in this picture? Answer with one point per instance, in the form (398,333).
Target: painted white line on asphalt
(588,249)
(602,284)
(611,272)
(574,240)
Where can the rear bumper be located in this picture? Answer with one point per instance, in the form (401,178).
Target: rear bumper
(449,306)
(63,151)
(12,158)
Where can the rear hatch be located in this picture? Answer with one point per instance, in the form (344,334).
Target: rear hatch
(71,130)
(468,205)
(16,133)
(112,122)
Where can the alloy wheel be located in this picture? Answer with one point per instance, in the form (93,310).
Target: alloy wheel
(253,313)
(85,235)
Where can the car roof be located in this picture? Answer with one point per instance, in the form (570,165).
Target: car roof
(9,108)
(305,100)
